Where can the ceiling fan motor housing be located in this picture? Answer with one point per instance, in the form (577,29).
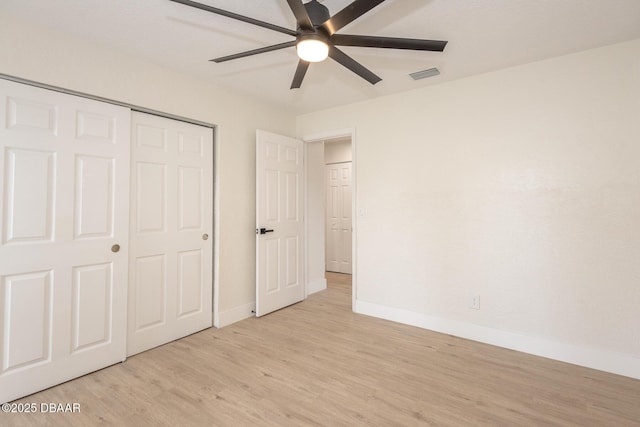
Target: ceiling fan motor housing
(318,13)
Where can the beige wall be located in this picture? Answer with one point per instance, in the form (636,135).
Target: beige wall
(52,58)
(522,186)
(315,216)
(337,151)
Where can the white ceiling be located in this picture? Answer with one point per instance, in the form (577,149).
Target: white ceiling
(483,35)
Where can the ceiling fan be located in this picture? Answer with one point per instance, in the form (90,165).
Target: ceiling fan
(316,36)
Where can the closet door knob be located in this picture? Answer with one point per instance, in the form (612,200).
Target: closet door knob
(115,248)
(205,236)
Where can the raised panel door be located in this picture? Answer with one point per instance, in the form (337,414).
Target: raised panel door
(338,218)
(62,290)
(171,287)
(279,271)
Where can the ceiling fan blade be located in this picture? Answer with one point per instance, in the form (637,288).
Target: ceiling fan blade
(303,66)
(350,63)
(300,12)
(349,14)
(388,42)
(236,16)
(255,51)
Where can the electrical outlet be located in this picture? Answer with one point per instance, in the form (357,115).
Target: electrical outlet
(474,302)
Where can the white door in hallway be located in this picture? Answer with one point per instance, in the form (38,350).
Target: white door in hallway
(279,222)
(64,212)
(338,218)
(170,278)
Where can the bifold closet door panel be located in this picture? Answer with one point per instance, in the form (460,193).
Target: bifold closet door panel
(64,205)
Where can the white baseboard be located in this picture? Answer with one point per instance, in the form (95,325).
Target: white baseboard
(236,314)
(316,286)
(616,363)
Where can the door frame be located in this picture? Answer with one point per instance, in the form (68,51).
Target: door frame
(316,138)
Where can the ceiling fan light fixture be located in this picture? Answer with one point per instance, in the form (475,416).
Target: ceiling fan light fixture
(316,37)
(312,48)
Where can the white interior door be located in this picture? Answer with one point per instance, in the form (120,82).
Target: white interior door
(338,219)
(279,222)
(64,205)
(170,291)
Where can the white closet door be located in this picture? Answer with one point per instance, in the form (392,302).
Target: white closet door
(170,291)
(64,205)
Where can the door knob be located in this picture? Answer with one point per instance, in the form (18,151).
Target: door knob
(263,231)
(115,248)
(205,236)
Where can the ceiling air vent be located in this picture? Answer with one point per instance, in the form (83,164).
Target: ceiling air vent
(425,73)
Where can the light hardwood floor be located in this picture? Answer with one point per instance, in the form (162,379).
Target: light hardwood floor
(316,363)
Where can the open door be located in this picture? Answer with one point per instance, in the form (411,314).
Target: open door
(279,222)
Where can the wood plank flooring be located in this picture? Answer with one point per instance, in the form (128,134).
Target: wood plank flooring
(318,364)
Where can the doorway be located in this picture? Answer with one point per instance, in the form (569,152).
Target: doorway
(338,198)
(330,203)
